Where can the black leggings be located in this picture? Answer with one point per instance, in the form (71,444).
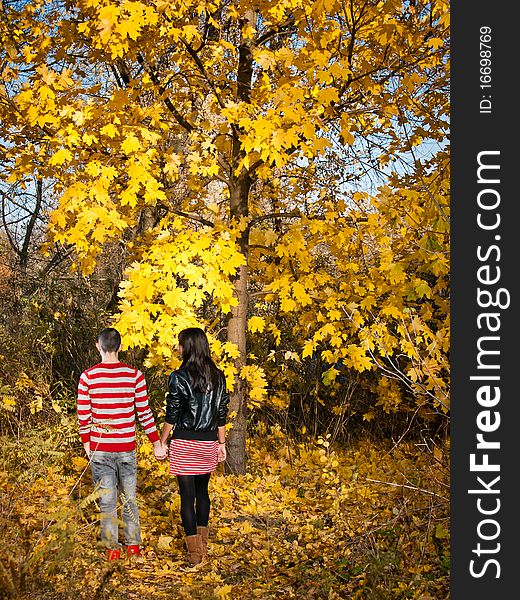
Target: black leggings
(195,502)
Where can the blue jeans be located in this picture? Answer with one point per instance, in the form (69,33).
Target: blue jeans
(114,475)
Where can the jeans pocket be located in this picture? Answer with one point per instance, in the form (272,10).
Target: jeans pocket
(127,465)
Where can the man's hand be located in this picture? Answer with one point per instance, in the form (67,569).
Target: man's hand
(86,445)
(160,450)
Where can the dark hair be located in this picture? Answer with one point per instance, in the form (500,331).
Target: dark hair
(109,339)
(196,359)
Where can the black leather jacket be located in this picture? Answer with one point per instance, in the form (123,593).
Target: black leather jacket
(195,415)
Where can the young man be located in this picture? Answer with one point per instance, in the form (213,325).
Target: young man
(109,395)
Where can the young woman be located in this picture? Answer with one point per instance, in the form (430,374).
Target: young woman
(196,410)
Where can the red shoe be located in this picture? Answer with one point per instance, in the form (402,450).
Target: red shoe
(133,550)
(113,554)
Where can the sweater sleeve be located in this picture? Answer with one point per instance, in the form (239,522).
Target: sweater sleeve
(173,403)
(84,408)
(144,412)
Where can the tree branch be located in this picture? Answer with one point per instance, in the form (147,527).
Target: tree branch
(409,487)
(12,243)
(425,187)
(171,107)
(274,216)
(193,217)
(202,69)
(24,253)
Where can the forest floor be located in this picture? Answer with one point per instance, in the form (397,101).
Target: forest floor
(308,521)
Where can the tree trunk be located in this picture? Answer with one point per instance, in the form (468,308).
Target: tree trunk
(239,188)
(236,438)
(236,333)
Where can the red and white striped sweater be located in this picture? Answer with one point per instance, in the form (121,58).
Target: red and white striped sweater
(109,394)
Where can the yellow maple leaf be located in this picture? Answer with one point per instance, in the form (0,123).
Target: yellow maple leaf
(131,144)
(256,324)
(329,376)
(128,197)
(61,156)
(308,348)
(223,592)
(8,403)
(164,542)
(391,311)
(287,304)
(396,272)
(300,293)
(79,463)
(358,358)
(110,130)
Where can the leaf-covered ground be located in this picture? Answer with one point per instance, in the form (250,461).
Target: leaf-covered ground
(307,521)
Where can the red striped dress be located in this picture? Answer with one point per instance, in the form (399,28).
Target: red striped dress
(109,396)
(193,457)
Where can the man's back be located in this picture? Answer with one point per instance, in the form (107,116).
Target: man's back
(108,396)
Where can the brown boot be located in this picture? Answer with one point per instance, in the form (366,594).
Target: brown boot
(194,546)
(203,532)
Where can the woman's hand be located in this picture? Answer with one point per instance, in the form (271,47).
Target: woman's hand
(160,450)
(221,452)
(163,438)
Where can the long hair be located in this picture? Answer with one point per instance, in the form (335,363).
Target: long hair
(196,359)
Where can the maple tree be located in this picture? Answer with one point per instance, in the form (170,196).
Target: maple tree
(222,142)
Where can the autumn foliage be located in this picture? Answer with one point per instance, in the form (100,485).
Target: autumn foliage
(306,521)
(276,172)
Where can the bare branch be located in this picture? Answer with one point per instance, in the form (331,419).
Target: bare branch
(193,217)
(24,253)
(10,238)
(409,487)
(274,216)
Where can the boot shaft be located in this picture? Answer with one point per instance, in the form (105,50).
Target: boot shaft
(194,547)
(204,534)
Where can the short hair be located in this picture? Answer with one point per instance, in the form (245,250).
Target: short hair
(109,339)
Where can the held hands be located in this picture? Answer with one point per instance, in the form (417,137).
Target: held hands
(160,450)
(221,452)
